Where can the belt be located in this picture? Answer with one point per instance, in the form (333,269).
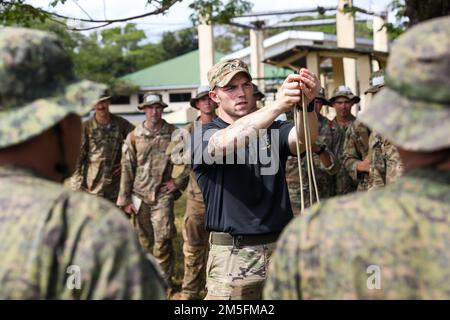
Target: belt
(226,239)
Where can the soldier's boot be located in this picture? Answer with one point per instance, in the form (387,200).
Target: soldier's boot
(164,254)
(195,258)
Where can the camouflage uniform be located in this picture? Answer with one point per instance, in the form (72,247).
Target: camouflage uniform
(324,176)
(48,233)
(237,273)
(400,229)
(195,236)
(391,243)
(100,156)
(356,148)
(145,167)
(385,164)
(56,243)
(344,182)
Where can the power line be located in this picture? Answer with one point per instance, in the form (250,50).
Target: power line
(79,6)
(319,9)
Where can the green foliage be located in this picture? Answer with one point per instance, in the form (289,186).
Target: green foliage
(399,26)
(216,11)
(123,88)
(14,13)
(111,53)
(179,42)
(231,39)
(422,10)
(54,3)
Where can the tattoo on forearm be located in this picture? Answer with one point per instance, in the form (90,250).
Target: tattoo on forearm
(237,135)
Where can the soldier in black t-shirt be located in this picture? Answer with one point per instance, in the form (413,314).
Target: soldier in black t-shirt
(239,161)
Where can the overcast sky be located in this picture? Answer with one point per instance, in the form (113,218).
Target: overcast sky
(178,15)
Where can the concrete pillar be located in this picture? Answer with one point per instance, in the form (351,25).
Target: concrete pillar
(338,73)
(312,63)
(257,56)
(364,71)
(345,28)
(323,80)
(380,36)
(206,50)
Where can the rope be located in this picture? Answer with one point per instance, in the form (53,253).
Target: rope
(298,115)
(299,163)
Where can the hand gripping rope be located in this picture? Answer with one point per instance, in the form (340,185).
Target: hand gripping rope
(300,117)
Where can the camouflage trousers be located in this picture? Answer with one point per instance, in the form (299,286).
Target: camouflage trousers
(237,273)
(195,250)
(155,227)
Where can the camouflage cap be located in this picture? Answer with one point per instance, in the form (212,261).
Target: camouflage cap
(413,110)
(201,92)
(257,93)
(376,82)
(38,87)
(222,72)
(343,91)
(151,99)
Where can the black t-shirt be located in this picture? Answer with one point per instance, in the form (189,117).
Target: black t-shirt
(248,197)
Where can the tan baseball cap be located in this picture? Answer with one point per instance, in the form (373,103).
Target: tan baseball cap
(222,72)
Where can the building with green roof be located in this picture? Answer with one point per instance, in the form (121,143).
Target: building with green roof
(176,80)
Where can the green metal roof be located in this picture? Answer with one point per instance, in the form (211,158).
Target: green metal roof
(183,71)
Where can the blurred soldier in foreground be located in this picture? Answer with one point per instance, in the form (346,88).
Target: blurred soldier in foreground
(391,243)
(98,167)
(385,164)
(195,236)
(56,243)
(147,190)
(325,163)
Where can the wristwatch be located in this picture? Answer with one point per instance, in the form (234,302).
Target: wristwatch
(310,107)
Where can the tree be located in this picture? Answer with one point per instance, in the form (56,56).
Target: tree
(214,10)
(231,38)
(179,42)
(111,53)
(418,11)
(18,11)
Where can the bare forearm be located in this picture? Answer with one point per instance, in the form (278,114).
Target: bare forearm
(313,133)
(244,130)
